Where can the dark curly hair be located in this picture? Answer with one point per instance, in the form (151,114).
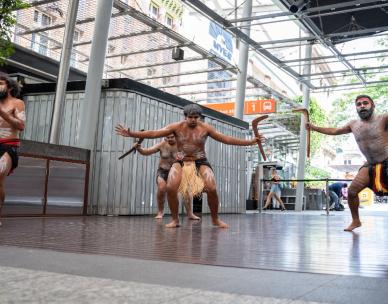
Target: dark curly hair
(192,109)
(11,84)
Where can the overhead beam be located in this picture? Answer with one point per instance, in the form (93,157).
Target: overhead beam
(344,71)
(316,32)
(353,84)
(318,9)
(157,64)
(196,83)
(198,5)
(62,25)
(211,91)
(184,73)
(123,36)
(150,50)
(332,56)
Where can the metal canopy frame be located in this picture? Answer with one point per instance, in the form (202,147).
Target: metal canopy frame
(306,19)
(154,27)
(266,48)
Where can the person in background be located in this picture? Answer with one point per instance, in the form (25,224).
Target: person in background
(275,191)
(335,193)
(12,121)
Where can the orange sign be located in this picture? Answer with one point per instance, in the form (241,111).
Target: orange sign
(259,106)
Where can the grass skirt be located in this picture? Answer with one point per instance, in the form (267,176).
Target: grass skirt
(192,183)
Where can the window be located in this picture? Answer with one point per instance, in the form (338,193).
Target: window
(36,16)
(154,10)
(169,21)
(41,18)
(39,41)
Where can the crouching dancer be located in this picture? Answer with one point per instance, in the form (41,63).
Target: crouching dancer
(191,174)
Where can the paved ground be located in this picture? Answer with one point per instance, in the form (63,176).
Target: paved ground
(44,271)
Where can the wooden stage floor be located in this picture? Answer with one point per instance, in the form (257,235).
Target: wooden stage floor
(305,242)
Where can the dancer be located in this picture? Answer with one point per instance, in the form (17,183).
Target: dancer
(191,173)
(12,120)
(167,150)
(371,134)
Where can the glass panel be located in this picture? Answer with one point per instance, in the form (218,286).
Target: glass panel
(24,188)
(65,188)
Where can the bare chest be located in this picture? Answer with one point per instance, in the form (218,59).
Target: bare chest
(366,131)
(195,137)
(168,152)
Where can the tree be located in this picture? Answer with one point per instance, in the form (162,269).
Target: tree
(7,21)
(344,109)
(317,117)
(344,106)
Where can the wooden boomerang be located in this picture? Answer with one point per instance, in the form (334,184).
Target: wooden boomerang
(307,117)
(255,122)
(138,141)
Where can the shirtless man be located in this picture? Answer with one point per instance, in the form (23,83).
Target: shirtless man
(167,150)
(191,135)
(371,134)
(12,119)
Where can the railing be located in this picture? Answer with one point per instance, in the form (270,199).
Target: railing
(326,180)
(50,180)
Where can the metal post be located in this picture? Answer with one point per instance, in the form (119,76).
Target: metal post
(90,105)
(327,198)
(63,74)
(303,135)
(243,63)
(261,196)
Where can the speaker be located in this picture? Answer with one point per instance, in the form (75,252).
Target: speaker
(177,53)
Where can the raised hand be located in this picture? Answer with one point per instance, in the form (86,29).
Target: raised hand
(120,130)
(309,126)
(260,139)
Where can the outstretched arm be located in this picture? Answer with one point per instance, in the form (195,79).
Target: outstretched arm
(149,151)
(229,140)
(120,130)
(330,131)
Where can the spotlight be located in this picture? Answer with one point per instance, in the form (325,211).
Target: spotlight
(298,5)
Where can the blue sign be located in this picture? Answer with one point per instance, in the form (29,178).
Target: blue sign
(222,43)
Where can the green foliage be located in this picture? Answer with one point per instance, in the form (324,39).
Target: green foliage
(317,117)
(7,21)
(345,110)
(316,173)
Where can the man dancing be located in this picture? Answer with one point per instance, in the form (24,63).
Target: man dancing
(371,134)
(12,119)
(167,150)
(191,173)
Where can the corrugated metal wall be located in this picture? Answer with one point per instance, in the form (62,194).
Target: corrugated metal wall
(122,187)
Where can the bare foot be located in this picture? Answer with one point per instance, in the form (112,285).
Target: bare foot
(355,224)
(220,224)
(173,224)
(159,215)
(193,217)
